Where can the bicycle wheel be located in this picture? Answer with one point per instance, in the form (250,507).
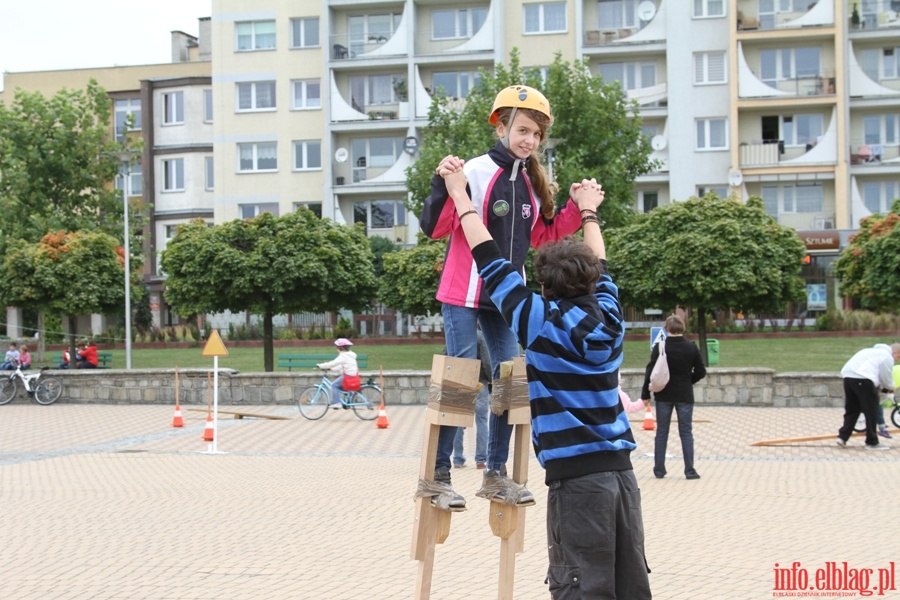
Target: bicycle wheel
(8,390)
(860,424)
(366,402)
(48,391)
(895,416)
(313,402)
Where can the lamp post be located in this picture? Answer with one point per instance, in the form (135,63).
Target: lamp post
(126,156)
(549,150)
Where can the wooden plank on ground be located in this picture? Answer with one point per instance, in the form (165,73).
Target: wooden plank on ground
(810,438)
(241,415)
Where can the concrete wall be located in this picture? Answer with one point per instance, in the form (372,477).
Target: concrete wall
(721,387)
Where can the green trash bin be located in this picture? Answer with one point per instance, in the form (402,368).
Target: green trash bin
(712,349)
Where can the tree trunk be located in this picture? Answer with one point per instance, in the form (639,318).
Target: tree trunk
(42,340)
(268,362)
(701,331)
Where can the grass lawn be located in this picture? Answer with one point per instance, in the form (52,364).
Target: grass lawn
(782,355)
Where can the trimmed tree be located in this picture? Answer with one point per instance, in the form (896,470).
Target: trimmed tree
(598,132)
(869,264)
(268,265)
(65,274)
(411,277)
(706,254)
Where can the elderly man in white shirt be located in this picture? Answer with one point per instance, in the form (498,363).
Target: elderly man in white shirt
(865,374)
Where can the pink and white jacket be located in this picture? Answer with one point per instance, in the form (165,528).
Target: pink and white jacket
(502,194)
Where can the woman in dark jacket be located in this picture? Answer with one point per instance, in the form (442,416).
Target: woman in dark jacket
(685,369)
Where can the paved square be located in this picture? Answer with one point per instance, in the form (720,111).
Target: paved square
(103,502)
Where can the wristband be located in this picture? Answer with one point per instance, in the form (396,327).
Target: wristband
(589,210)
(468,212)
(588,219)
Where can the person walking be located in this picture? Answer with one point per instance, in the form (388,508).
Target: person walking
(685,369)
(867,373)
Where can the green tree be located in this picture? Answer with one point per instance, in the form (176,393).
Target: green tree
(411,277)
(65,274)
(57,159)
(599,132)
(705,254)
(869,264)
(268,265)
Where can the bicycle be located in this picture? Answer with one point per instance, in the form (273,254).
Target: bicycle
(315,400)
(895,414)
(45,390)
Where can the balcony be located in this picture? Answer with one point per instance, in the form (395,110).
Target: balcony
(818,13)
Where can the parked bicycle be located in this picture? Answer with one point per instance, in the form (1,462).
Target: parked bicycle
(45,390)
(895,414)
(314,400)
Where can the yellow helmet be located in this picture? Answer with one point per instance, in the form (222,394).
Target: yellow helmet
(520,96)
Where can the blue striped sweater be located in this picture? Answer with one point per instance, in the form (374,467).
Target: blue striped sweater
(573,350)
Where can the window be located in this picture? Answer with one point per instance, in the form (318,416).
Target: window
(369,29)
(248,211)
(880,63)
(254,35)
(259,156)
(788,64)
(134,185)
(305,32)
(173,108)
(545,17)
(307,155)
(618,14)
(458,23)
(209,178)
(649,200)
(125,108)
(378,152)
(306,94)
(881,129)
(372,90)
(315,207)
(207,106)
(709,8)
(711,134)
(793,198)
(719,190)
(709,67)
(631,75)
(256,95)
(455,84)
(802,129)
(173,175)
(877,195)
(380,214)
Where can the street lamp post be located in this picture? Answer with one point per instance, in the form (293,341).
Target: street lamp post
(126,156)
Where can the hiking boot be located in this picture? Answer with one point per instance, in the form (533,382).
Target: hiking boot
(446,499)
(498,487)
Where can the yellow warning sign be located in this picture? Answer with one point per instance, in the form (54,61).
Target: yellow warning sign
(214,345)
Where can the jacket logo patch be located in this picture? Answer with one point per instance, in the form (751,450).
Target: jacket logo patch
(526,211)
(501,208)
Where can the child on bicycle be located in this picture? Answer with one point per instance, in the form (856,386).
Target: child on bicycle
(345,364)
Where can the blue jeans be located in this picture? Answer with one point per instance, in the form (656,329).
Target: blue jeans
(685,411)
(337,390)
(482,407)
(459,332)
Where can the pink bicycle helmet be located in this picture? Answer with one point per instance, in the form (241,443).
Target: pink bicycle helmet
(343,343)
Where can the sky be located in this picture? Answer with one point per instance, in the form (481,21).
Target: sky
(46,35)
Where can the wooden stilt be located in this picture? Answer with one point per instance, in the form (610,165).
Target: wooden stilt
(508,522)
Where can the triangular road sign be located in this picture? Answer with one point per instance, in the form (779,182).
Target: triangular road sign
(214,345)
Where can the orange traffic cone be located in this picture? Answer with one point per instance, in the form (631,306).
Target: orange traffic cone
(177,420)
(649,420)
(382,422)
(209,434)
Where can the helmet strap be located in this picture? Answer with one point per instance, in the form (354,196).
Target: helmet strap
(512,117)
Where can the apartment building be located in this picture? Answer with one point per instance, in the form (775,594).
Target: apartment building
(169,107)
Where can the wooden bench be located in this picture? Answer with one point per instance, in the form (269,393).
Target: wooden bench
(104,359)
(309,361)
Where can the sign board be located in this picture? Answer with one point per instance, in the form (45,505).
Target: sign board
(816,296)
(656,334)
(214,345)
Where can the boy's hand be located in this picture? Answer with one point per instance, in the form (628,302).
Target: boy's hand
(455,180)
(453,163)
(588,195)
